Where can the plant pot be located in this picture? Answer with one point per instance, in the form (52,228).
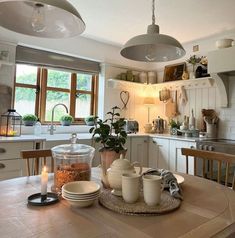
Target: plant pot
(106,158)
(65,123)
(90,123)
(29,123)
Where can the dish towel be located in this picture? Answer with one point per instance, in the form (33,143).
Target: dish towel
(170,182)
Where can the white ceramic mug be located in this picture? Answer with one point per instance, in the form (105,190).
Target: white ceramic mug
(130,187)
(152,188)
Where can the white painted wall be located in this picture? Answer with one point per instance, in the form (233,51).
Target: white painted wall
(109,97)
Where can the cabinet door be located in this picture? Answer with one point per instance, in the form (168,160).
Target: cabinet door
(162,153)
(139,150)
(178,161)
(153,153)
(12,165)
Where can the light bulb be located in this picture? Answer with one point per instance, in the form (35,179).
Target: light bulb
(38,18)
(151,54)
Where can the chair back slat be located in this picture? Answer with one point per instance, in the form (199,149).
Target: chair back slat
(227,174)
(220,158)
(186,164)
(195,165)
(36,156)
(219,172)
(211,169)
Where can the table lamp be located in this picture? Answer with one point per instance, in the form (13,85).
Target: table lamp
(149,101)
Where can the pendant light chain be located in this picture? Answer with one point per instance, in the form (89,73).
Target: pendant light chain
(153,12)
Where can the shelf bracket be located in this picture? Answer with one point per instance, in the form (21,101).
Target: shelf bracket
(221,81)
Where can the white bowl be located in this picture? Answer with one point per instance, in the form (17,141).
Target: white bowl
(81,187)
(223,43)
(80,203)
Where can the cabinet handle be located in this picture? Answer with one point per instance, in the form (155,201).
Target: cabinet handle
(2,150)
(154,142)
(2,166)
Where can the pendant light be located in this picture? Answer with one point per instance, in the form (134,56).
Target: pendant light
(43,18)
(153,47)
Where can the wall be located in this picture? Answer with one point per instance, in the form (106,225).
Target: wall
(85,48)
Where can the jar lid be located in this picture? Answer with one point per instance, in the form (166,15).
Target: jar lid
(72,150)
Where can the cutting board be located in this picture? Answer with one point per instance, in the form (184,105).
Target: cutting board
(170,108)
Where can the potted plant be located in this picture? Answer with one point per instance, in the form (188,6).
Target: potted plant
(29,119)
(174,126)
(111,135)
(90,121)
(193,60)
(66,120)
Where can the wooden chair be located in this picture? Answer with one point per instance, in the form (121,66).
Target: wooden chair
(37,156)
(211,156)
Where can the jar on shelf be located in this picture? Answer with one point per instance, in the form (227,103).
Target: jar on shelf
(72,163)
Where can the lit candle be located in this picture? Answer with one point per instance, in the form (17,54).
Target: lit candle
(44,180)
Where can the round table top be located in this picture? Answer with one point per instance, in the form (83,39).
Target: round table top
(208,210)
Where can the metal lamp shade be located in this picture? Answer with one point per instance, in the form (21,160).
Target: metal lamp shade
(61,18)
(152,48)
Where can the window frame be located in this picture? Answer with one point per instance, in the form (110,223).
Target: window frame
(42,88)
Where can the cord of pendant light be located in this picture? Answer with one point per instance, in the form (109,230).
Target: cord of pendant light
(153,12)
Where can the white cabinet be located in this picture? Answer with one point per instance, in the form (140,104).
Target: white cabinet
(139,150)
(159,153)
(177,160)
(166,154)
(11,165)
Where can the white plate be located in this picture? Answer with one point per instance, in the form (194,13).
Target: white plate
(77,203)
(179,178)
(80,197)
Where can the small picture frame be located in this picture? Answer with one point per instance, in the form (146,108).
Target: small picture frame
(174,72)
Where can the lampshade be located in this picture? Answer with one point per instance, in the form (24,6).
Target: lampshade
(153,47)
(43,18)
(149,101)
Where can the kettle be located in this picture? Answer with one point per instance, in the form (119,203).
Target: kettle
(117,168)
(159,125)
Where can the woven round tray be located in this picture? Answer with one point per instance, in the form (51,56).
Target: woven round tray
(140,208)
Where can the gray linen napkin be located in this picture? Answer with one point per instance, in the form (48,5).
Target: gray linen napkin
(170,182)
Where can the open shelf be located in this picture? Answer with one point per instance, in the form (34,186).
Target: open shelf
(174,85)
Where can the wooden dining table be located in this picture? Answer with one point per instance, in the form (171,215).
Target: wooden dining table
(208,210)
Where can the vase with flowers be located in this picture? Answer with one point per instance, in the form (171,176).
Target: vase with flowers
(193,60)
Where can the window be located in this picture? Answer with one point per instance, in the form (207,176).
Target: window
(37,90)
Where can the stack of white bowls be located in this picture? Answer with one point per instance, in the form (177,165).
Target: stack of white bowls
(81,193)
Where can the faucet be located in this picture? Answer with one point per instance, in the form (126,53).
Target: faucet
(52,128)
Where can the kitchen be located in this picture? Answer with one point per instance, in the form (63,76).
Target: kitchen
(103,47)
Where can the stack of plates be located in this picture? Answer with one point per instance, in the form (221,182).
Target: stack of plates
(81,193)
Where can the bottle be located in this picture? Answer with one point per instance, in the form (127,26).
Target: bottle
(37,128)
(192,121)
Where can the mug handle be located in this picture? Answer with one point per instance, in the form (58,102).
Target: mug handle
(139,165)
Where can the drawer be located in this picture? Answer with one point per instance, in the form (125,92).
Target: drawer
(10,165)
(12,150)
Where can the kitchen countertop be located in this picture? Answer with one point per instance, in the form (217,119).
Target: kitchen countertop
(88,136)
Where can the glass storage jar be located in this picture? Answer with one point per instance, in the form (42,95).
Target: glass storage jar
(72,163)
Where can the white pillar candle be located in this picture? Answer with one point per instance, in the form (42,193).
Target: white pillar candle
(44,180)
